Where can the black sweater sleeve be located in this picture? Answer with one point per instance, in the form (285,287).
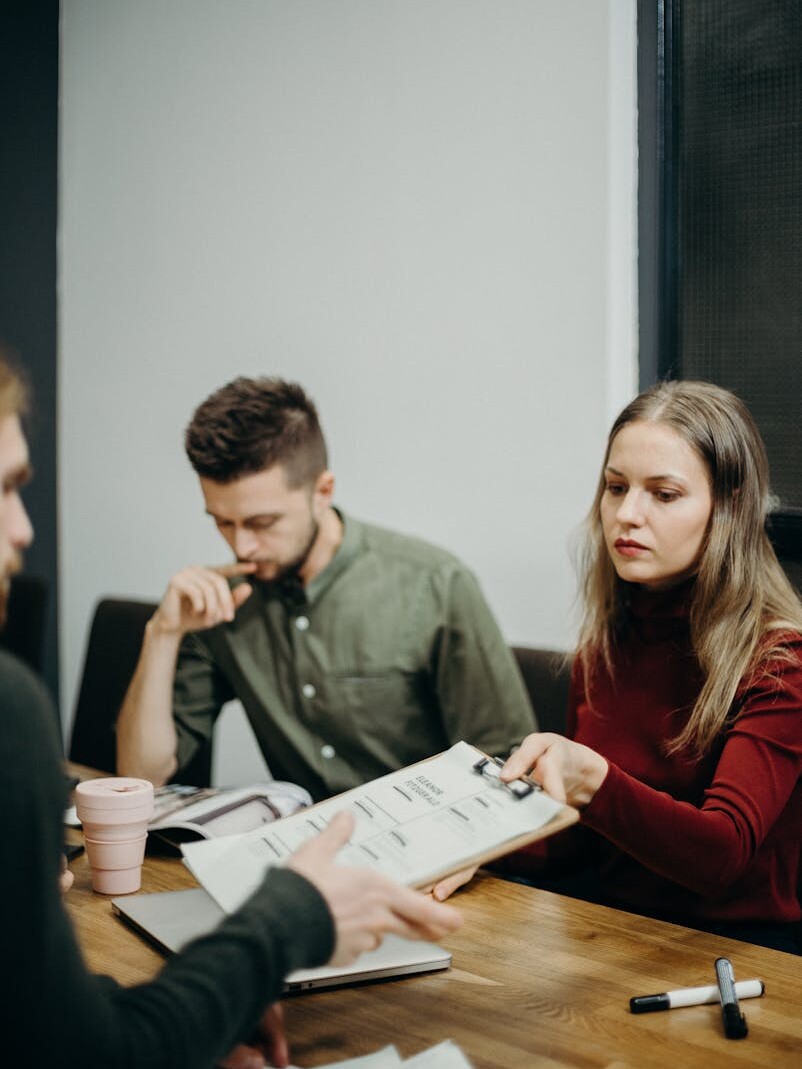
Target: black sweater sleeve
(52,1010)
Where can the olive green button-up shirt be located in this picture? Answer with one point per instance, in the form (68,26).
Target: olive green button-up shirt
(393,657)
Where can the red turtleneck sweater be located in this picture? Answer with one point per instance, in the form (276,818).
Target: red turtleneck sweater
(716,839)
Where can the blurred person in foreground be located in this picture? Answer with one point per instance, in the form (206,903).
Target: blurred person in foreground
(211,1004)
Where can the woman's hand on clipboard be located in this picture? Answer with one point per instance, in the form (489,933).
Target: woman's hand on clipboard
(567,770)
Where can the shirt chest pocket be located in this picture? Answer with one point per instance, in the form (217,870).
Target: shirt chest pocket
(381,704)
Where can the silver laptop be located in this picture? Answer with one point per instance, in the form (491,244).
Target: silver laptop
(170,919)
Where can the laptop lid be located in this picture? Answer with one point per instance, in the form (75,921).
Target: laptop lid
(170,919)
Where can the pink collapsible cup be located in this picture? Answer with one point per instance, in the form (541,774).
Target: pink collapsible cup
(116,867)
(114,813)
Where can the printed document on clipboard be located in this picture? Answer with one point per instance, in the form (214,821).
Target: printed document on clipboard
(416,825)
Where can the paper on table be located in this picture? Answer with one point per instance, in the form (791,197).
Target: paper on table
(445,1055)
(415,826)
(386,1058)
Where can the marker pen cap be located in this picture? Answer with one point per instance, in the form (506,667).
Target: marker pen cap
(735,1026)
(649,1003)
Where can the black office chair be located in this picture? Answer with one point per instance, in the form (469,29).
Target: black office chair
(785,531)
(546,676)
(26,619)
(112,651)
(793,569)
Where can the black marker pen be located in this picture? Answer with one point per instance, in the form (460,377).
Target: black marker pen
(735,1026)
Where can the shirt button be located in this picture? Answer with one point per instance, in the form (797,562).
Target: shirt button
(302,623)
(308,690)
(327,751)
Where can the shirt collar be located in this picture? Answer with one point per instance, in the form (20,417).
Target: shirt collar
(351,546)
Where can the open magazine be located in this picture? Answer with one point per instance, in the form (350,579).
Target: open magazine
(185,814)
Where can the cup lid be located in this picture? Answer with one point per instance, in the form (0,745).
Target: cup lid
(118,792)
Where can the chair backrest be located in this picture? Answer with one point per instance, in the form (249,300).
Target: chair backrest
(546,677)
(112,651)
(26,619)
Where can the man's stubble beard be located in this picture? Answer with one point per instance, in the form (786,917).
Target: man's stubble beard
(295,565)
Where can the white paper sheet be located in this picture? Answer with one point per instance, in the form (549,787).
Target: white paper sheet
(386,1058)
(445,1055)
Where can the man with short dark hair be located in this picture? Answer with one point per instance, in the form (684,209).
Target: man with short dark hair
(354,650)
(213,994)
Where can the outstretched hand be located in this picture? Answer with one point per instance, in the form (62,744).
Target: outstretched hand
(568,771)
(365,905)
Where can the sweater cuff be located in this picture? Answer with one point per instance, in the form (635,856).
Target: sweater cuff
(297,912)
(595,813)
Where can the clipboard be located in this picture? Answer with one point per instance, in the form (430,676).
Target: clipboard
(416,825)
(521,788)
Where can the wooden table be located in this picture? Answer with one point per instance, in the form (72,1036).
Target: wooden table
(537,980)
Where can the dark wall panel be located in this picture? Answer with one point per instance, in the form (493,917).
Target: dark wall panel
(740,215)
(28,206)
(720,149)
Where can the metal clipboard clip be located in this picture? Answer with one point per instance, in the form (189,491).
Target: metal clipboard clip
(489,767)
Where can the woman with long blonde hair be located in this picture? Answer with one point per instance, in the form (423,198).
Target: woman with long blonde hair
(684,747)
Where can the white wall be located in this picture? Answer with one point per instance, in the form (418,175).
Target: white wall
(423,210)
